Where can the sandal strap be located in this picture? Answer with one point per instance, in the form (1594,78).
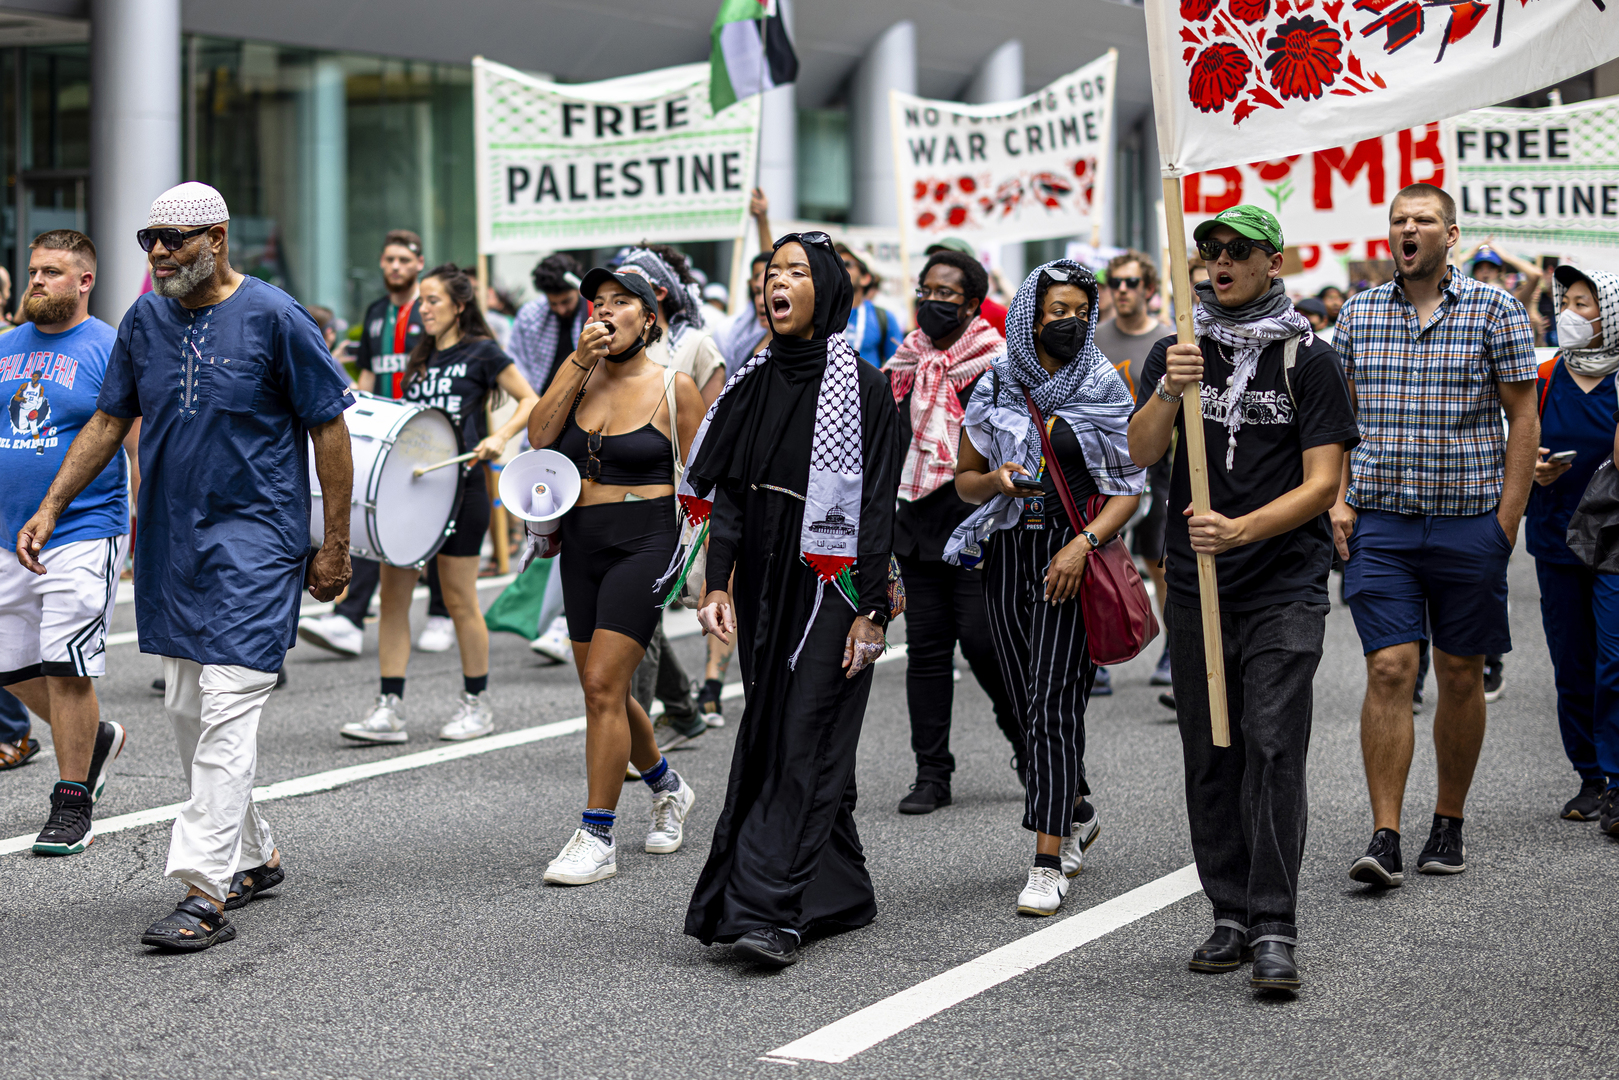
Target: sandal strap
(13,754)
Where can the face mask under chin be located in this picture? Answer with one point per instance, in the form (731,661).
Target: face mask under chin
(628,354)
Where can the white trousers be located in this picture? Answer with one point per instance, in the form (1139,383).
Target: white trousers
(215,712)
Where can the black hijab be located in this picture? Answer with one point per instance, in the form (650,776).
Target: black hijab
(752,417)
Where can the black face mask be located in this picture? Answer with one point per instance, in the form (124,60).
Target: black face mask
(938,318)
(1063,338)
(628,354)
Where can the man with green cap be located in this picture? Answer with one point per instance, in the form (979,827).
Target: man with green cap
(1277,421)
(991,309)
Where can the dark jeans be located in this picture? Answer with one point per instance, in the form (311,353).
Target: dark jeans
(659,675)
(944,604)
(1247,802)
(1580,611)
(14,721)
(363,585)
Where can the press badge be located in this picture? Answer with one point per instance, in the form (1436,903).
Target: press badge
(1034,512)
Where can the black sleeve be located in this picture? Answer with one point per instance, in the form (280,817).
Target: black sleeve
(884,453)
(724,534)
(1152,369)
(364,354)
(1321,394)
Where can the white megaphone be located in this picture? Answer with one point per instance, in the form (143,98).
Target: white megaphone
(539,486)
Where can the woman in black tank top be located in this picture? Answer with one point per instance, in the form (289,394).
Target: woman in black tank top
(607,410)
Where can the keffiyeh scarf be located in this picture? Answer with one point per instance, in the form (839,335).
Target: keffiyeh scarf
(684,299)
(1245,330)
(934,379)
(1603,357)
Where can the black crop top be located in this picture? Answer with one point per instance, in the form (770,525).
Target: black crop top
(635,458)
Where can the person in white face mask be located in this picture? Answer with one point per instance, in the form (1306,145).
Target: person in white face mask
(1579,607)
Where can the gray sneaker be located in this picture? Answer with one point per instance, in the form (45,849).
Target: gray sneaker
(473,719)
(671,733)
(385,724)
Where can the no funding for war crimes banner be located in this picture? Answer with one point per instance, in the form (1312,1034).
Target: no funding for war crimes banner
(578,165)
(1029,169)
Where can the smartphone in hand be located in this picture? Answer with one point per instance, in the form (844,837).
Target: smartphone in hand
(1024,483)
(1562,457)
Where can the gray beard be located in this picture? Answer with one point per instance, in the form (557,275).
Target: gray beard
(185,281)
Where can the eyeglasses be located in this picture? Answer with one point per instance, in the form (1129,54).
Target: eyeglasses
(171,239)
(1239,248)
(1124,283)
(820,239)
(949,296)
(593,464)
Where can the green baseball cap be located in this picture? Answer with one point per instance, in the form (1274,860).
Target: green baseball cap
(951,243)
(1249,221)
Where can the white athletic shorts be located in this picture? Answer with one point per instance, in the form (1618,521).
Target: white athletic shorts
(56,623)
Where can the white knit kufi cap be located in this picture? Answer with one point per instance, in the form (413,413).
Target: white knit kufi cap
(189,204)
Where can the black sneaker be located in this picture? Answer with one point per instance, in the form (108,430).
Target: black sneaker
(1444,853)
(1381,865)
(110,742)
(1608,812)
(926,796)
(1167,701)
(1494,673)
(1586,806)
(68,831)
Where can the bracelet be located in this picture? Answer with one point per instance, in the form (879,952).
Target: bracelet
(1161,391)
(578,365)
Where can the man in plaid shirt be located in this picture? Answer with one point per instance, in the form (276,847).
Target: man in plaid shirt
(1429,511)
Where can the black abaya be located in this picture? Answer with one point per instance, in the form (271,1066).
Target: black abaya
(785,850)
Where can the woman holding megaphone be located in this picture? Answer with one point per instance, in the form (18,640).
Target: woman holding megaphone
(622,418)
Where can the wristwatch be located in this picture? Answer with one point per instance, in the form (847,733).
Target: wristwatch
(878,618)
(1090,536)
(1162,391)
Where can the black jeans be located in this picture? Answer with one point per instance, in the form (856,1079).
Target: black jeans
(660,675)
(944,604)
(1247,802)
(367,573)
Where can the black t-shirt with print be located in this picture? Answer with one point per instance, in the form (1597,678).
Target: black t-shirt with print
(457,380)
(1277,428)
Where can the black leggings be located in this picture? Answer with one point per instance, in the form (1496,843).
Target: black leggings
(612,556)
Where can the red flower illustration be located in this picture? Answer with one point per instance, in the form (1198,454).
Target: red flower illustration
(921,189)
(1197,10)
(1250,11)
(1218,76)
(1304,57)
(925,220)
(967,184)
(1081,166)
(957,216)
(941,191)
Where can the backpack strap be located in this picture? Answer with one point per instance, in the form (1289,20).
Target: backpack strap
(674,425)
(882,331)
(1547,370)
(1290,357)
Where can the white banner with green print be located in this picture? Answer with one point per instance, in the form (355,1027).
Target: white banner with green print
(580,165)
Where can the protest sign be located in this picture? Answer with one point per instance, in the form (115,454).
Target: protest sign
(583,165)
(1030,169)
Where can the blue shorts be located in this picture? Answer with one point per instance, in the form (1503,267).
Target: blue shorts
(1411,577)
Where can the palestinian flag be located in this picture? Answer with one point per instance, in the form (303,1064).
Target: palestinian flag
(751,52)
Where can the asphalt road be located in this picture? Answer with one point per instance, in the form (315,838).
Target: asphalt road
(414,937)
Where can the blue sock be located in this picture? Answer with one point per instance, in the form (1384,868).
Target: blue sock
(599,823)
(661,778)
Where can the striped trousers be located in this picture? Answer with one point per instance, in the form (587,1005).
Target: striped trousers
(1047,669)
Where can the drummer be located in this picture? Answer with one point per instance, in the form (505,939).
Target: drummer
(455,367)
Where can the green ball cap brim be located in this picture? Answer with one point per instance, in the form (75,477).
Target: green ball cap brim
(1245,220)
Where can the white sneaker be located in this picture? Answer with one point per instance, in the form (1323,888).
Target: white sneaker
(1044,892)
(583,859)
(386,724)
(554,644)
(1082,834)
(332,632)
(438,635)
(473,719)
(669,810)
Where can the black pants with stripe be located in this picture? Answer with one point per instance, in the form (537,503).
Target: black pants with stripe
(1047,669)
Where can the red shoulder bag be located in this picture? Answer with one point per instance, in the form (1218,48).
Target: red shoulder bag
(1119,620)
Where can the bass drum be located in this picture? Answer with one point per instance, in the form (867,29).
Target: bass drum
(398,518)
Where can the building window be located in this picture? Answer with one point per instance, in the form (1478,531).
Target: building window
(823,165)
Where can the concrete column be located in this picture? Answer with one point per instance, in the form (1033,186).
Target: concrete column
(134,136)
(326,216)
(890,63)
(778,143)
(1000,78)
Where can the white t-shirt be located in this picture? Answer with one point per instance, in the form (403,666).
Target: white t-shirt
(697,356)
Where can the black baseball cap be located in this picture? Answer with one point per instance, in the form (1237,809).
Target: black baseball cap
(630,277)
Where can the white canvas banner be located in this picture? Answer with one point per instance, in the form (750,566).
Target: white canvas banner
(578,165)
(1236,80)
(1030,169)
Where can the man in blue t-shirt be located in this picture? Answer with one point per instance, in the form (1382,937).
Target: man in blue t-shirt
(874,331)
(53,628)
(232,381)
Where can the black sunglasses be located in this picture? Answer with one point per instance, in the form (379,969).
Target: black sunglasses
(171,239)
(1239,248)
(593,464)
(1124,283)
(820,239)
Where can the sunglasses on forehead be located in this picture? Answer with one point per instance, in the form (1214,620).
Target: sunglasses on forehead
(171,239)
(819,239)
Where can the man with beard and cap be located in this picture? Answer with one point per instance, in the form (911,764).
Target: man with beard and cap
(53,629)
(1277,420)
(232,381)
(794,473)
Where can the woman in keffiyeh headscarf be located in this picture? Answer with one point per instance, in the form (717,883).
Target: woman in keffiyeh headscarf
(1579,607)
(933,375)
(1034,555)
(795,471)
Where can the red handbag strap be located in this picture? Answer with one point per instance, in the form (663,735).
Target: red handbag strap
(1053,465)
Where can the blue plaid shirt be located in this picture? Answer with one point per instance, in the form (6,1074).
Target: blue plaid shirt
(1431,436)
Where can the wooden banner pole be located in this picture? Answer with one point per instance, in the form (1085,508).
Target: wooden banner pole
(1208,586)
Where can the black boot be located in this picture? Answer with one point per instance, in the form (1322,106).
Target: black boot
(1274,968)
(1225,950)
(768,945)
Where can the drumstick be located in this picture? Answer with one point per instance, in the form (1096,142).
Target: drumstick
(420,469)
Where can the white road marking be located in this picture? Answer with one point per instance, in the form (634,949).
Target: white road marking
(843,1039)
(333,778)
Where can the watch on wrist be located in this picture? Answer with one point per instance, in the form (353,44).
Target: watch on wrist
(1162,391)
(1091,537)
(878,618)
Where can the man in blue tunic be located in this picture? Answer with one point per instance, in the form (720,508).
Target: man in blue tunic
(232,380)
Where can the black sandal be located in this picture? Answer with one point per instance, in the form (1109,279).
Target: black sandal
(192,926)
(264,878)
